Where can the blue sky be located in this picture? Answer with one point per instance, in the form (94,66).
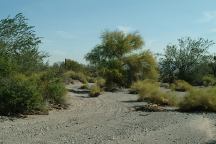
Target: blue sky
(71,28)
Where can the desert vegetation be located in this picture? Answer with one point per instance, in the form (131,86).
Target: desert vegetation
(29,85)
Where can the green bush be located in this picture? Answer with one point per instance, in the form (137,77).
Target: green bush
(150,91)
(199,100)
(19,94)
(209,80)
(52,88)
(181,85)
(76,76)
(95,91)
(56,92)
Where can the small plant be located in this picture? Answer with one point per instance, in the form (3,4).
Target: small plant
(95,91)
(199,100)
(181,85)
(209,80)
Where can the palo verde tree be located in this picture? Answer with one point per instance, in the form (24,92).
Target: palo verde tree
(141,66)
(186,60)
(111,57)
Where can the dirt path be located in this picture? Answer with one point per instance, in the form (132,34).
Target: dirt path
(109,119)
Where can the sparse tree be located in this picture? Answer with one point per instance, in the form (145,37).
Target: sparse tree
(183,61)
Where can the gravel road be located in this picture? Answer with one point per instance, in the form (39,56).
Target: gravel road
(109,119)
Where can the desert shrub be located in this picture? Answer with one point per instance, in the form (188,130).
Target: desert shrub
(56,92)
(52,88)
(95,91)
(100,82)
(180,85)
(199,100)
(150,91)
(208,80)
(19,94)
(136,86)
(76,76)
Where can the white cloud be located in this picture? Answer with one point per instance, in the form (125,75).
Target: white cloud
(65,35)
(125,29)
(208,16)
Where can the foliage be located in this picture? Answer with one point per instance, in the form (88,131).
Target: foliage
(150,91)
(95,91)
(113,60)
(183,61)
(100,82)
(141,66)
(20,44)
(114,45)
(76,76)
(199,100)
(53,89)
(19,94)
(72,65)
(136,86)
(209,80)
(181,85)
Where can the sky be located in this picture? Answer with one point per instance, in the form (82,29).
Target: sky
(71,28)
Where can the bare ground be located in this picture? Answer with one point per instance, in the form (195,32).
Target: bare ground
(109,119)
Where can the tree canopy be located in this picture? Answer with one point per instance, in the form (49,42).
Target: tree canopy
(20,43)
(116,60)
(183,60)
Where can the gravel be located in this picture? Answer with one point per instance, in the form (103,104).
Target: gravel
(109,119)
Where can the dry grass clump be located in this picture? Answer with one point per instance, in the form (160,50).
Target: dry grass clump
(95,91)
(181,85)
(199,100)
(150,91)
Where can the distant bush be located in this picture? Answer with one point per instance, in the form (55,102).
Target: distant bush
(150,91)
(76,76)
(180,85)
(209,80)
(19,94)
(199,100)
(95,91)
